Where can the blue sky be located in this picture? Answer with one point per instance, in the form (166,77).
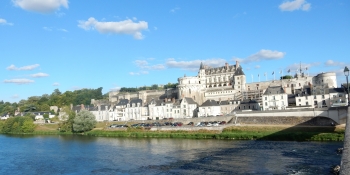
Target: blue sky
(69,45)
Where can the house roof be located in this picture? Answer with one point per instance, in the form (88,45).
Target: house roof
(302,92)
(248,101)
(190,100)
(274,90)
(239,71)
(337,90)
(123,102)
(210,103)
(227,102)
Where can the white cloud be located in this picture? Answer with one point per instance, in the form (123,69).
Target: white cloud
(15,96)
(194,64)
(174,9)
(19,81)
(296,66)
(334,63)
(295,5)
(134,73)
(47,28)
(138,73)
(62,30)
(53,28)
(29,67)
(143,64)
(38,75)
(4,22)
(257,67)
(262,55)
(55,84)
(121,27)
(41,6)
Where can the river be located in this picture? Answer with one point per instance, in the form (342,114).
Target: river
(103,155)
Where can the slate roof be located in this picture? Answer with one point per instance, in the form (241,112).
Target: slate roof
(248,101)
(304,92)
(122,102)
(337,90)
(190,100)
(227,102)
(239,71)
(210,103)
(136,101)
(274,90)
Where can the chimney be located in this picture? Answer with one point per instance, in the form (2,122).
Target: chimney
(173,99)
(166,99)
(82,107)
(226,66)
(237,64)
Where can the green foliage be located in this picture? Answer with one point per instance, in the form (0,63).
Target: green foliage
(18,125)
(67,124)
(170,85)
(46,116)
(28,126)
(43,103)
(84,121)
(153,87)
(286,77)
(45,107)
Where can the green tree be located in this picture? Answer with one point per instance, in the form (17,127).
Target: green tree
(286,77)
(28,126)
(46,116)
(16,128)
(67,124)
(7,127)
(45,107)
(84,121)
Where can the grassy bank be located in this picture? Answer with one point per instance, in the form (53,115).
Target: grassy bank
(237,133)
(266,132)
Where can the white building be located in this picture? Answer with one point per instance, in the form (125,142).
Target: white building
(275,98)
(209,108)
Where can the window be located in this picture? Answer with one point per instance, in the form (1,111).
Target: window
(265,103)
(322,96)
(273,97)
(299,100)
(306,97)
(265,98)
(281,96)
(315,102)
(307,103)
(314,96)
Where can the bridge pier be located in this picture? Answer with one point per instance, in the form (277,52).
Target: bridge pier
(345,159)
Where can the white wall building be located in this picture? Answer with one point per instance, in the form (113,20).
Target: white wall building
(275,98)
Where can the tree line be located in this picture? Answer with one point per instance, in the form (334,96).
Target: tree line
(152,87)
(56,98)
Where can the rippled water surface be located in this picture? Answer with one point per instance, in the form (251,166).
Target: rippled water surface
(98,155)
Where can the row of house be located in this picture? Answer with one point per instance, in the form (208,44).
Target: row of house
(274,98)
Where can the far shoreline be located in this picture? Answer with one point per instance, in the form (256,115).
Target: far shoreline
(229,132)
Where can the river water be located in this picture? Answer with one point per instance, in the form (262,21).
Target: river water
(101,155)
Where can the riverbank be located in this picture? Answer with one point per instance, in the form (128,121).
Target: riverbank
(230,132)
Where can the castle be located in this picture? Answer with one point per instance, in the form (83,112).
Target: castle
(221,91)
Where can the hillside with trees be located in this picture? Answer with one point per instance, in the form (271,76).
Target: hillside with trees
(152,87)
(56,98)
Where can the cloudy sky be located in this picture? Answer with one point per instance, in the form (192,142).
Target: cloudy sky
(69,45)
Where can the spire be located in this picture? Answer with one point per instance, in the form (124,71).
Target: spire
(201,66)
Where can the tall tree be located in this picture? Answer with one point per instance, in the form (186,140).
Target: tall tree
(84,121)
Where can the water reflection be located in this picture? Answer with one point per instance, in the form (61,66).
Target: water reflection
(98,155)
